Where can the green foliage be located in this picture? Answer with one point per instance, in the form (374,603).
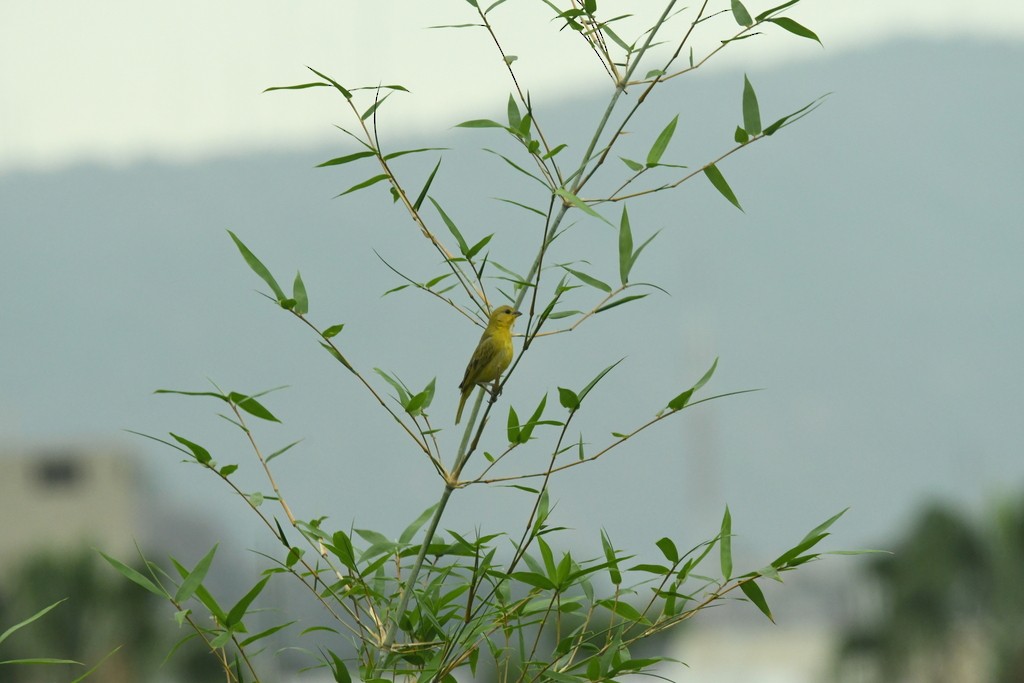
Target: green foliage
(431,603)
(948,598)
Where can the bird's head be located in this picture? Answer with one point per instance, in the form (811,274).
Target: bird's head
(503,316)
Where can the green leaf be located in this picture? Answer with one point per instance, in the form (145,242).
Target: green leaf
(680,401)
(600,376)
(201,455)
(422,400)
(463,247)
(479,123)
(568,398)
(527,429)
(369,112)
(41,660)
(403,393)
(423,193)
(635,166)
(195,577)
(366,183)
(242,606)
(512,427)
(625,246)
(533,579)
(555,150)
(227,470)
(475,249)
(203,595)
(345,93)
(257,267)
(514,117)
(128,573)
(410,531)
(795,28)
(299,294)
(337,355)
(668,549)
(573,200)
(339,670)
(341,546)
(300,86)
(718,180)
(251,406)
(661,143)
(6,634)
(97,665)
(345,159)
(817,531)
(624,610)
(587,279)
(754,594)
(795,116)
(333,331)
(619,302)
(725,544)
(740,13)
(263,634)
(740,136)
(765,14)
(751,112)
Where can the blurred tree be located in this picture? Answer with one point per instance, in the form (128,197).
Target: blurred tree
(947,604)
(102,613)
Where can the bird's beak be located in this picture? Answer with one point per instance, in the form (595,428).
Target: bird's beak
(517,313)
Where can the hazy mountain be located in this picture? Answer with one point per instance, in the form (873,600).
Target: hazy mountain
(873,286)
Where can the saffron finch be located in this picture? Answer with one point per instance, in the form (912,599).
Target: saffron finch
(492,356)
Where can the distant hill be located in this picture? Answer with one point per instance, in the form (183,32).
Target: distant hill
(874,287)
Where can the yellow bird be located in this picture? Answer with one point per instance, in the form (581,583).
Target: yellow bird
(492,356)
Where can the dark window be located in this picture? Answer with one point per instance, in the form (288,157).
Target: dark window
(58,471)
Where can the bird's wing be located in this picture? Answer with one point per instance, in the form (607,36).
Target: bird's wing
(482,357)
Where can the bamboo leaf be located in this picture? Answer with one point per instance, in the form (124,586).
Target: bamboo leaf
(600,376)
(463,247)
(718,180)
(751,112)
(129,573)
(257,267)
(366,183)
(345,93)
(587,279)
(778,8)
(740,13)
(423,193)
(201,455)
(195,577)
(299,294)
(242,606)
(345,159)
(410,531)
(572,199)
(681,401)
(625,247)
(479,123)
(796,28)
(754,594)
(6,634)
(620,301)
(512,427)
(661,143)
(725,544)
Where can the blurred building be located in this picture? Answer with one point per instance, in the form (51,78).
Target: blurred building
(58,498)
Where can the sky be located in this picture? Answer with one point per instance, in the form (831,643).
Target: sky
(110,88)
(119,81)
